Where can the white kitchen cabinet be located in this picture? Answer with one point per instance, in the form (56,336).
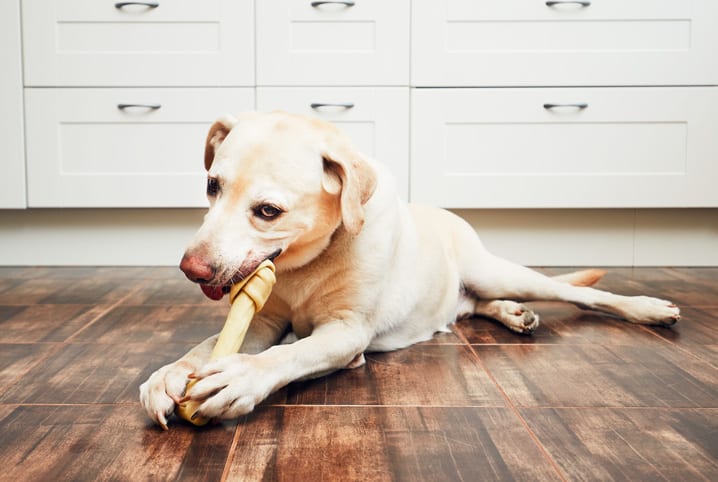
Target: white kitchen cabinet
(122,147)
(375,118)
(348,43)
(564,43)
(565,147)
(153,43)
(12,156)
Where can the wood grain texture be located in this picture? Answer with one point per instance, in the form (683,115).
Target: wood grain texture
(87,373)
(386,443)
(106,442)
(587,397)
(45,322)
(154,325)
(629,444)
(601,376)
(426,374)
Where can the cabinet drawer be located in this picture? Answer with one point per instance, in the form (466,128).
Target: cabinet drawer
(541,43)
(177,43)
(376,119)
(360,42)
(12,155)
(85,151)
(621,147)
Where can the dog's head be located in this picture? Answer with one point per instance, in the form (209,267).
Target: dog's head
(279,186)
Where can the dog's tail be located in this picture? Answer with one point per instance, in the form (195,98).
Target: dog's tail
(587,277)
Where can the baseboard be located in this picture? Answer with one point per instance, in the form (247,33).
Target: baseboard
(157,237)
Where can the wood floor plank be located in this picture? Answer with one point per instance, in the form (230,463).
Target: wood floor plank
(82,291)
(432,375)
(386,443)
(426,374)
(45,323)
(155,324)
(629,444)
(601,376)
(105,442)
(695,332)
(89,373)
(18,359)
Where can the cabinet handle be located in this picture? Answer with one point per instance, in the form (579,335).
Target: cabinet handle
(139,106)
(121,5)
(317,105)
(580,106)
(346,3)
(582,3)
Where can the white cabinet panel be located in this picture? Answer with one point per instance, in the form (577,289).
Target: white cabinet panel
(376,119)
(178,43)
(361,42)
(578,147)
(12,155)
(533,43)
(83,150)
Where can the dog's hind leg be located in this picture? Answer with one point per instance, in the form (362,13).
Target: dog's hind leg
(489,277)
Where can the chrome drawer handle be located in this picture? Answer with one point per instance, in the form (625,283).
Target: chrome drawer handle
(317,106)
(580,106)
(346,3)
(121,5)
(139,106)
(582,3)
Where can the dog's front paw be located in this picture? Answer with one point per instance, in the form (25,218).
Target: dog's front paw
(230,386)
(160,394)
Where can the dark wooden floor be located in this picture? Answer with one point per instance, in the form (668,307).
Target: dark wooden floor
(586,397)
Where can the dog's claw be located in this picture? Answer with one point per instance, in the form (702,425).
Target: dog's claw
(162,421)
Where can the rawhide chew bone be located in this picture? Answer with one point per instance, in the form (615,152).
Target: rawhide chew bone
(246,297)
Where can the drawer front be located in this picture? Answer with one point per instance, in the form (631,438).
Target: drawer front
(530,148)
(376,119)
(177,43)
(12,155)
(541,43)
(360,42)
(84,151)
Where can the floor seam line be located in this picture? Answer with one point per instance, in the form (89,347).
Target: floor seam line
(544,451)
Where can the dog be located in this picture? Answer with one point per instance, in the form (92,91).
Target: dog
(358,270)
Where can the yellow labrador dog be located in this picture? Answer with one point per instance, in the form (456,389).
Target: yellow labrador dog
(357,269)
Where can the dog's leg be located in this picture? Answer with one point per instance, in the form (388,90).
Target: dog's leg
(165,387)
(161,392)
(495,278)
(513,315)
(233,385)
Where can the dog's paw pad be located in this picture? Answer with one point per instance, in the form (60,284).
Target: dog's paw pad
(520,318)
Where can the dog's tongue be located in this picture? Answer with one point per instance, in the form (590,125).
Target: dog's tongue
(212,292)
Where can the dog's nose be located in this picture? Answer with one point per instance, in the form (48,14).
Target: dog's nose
(197,269)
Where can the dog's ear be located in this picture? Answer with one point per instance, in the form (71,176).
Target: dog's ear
(347,171)
(215,136)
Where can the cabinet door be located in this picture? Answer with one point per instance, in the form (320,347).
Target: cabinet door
(177,43)
(12,155)
(358,42)
(540,43)
(376,119)
(551,148)
(122,147)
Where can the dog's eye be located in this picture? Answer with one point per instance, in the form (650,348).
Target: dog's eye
(267,212)
(212,186)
